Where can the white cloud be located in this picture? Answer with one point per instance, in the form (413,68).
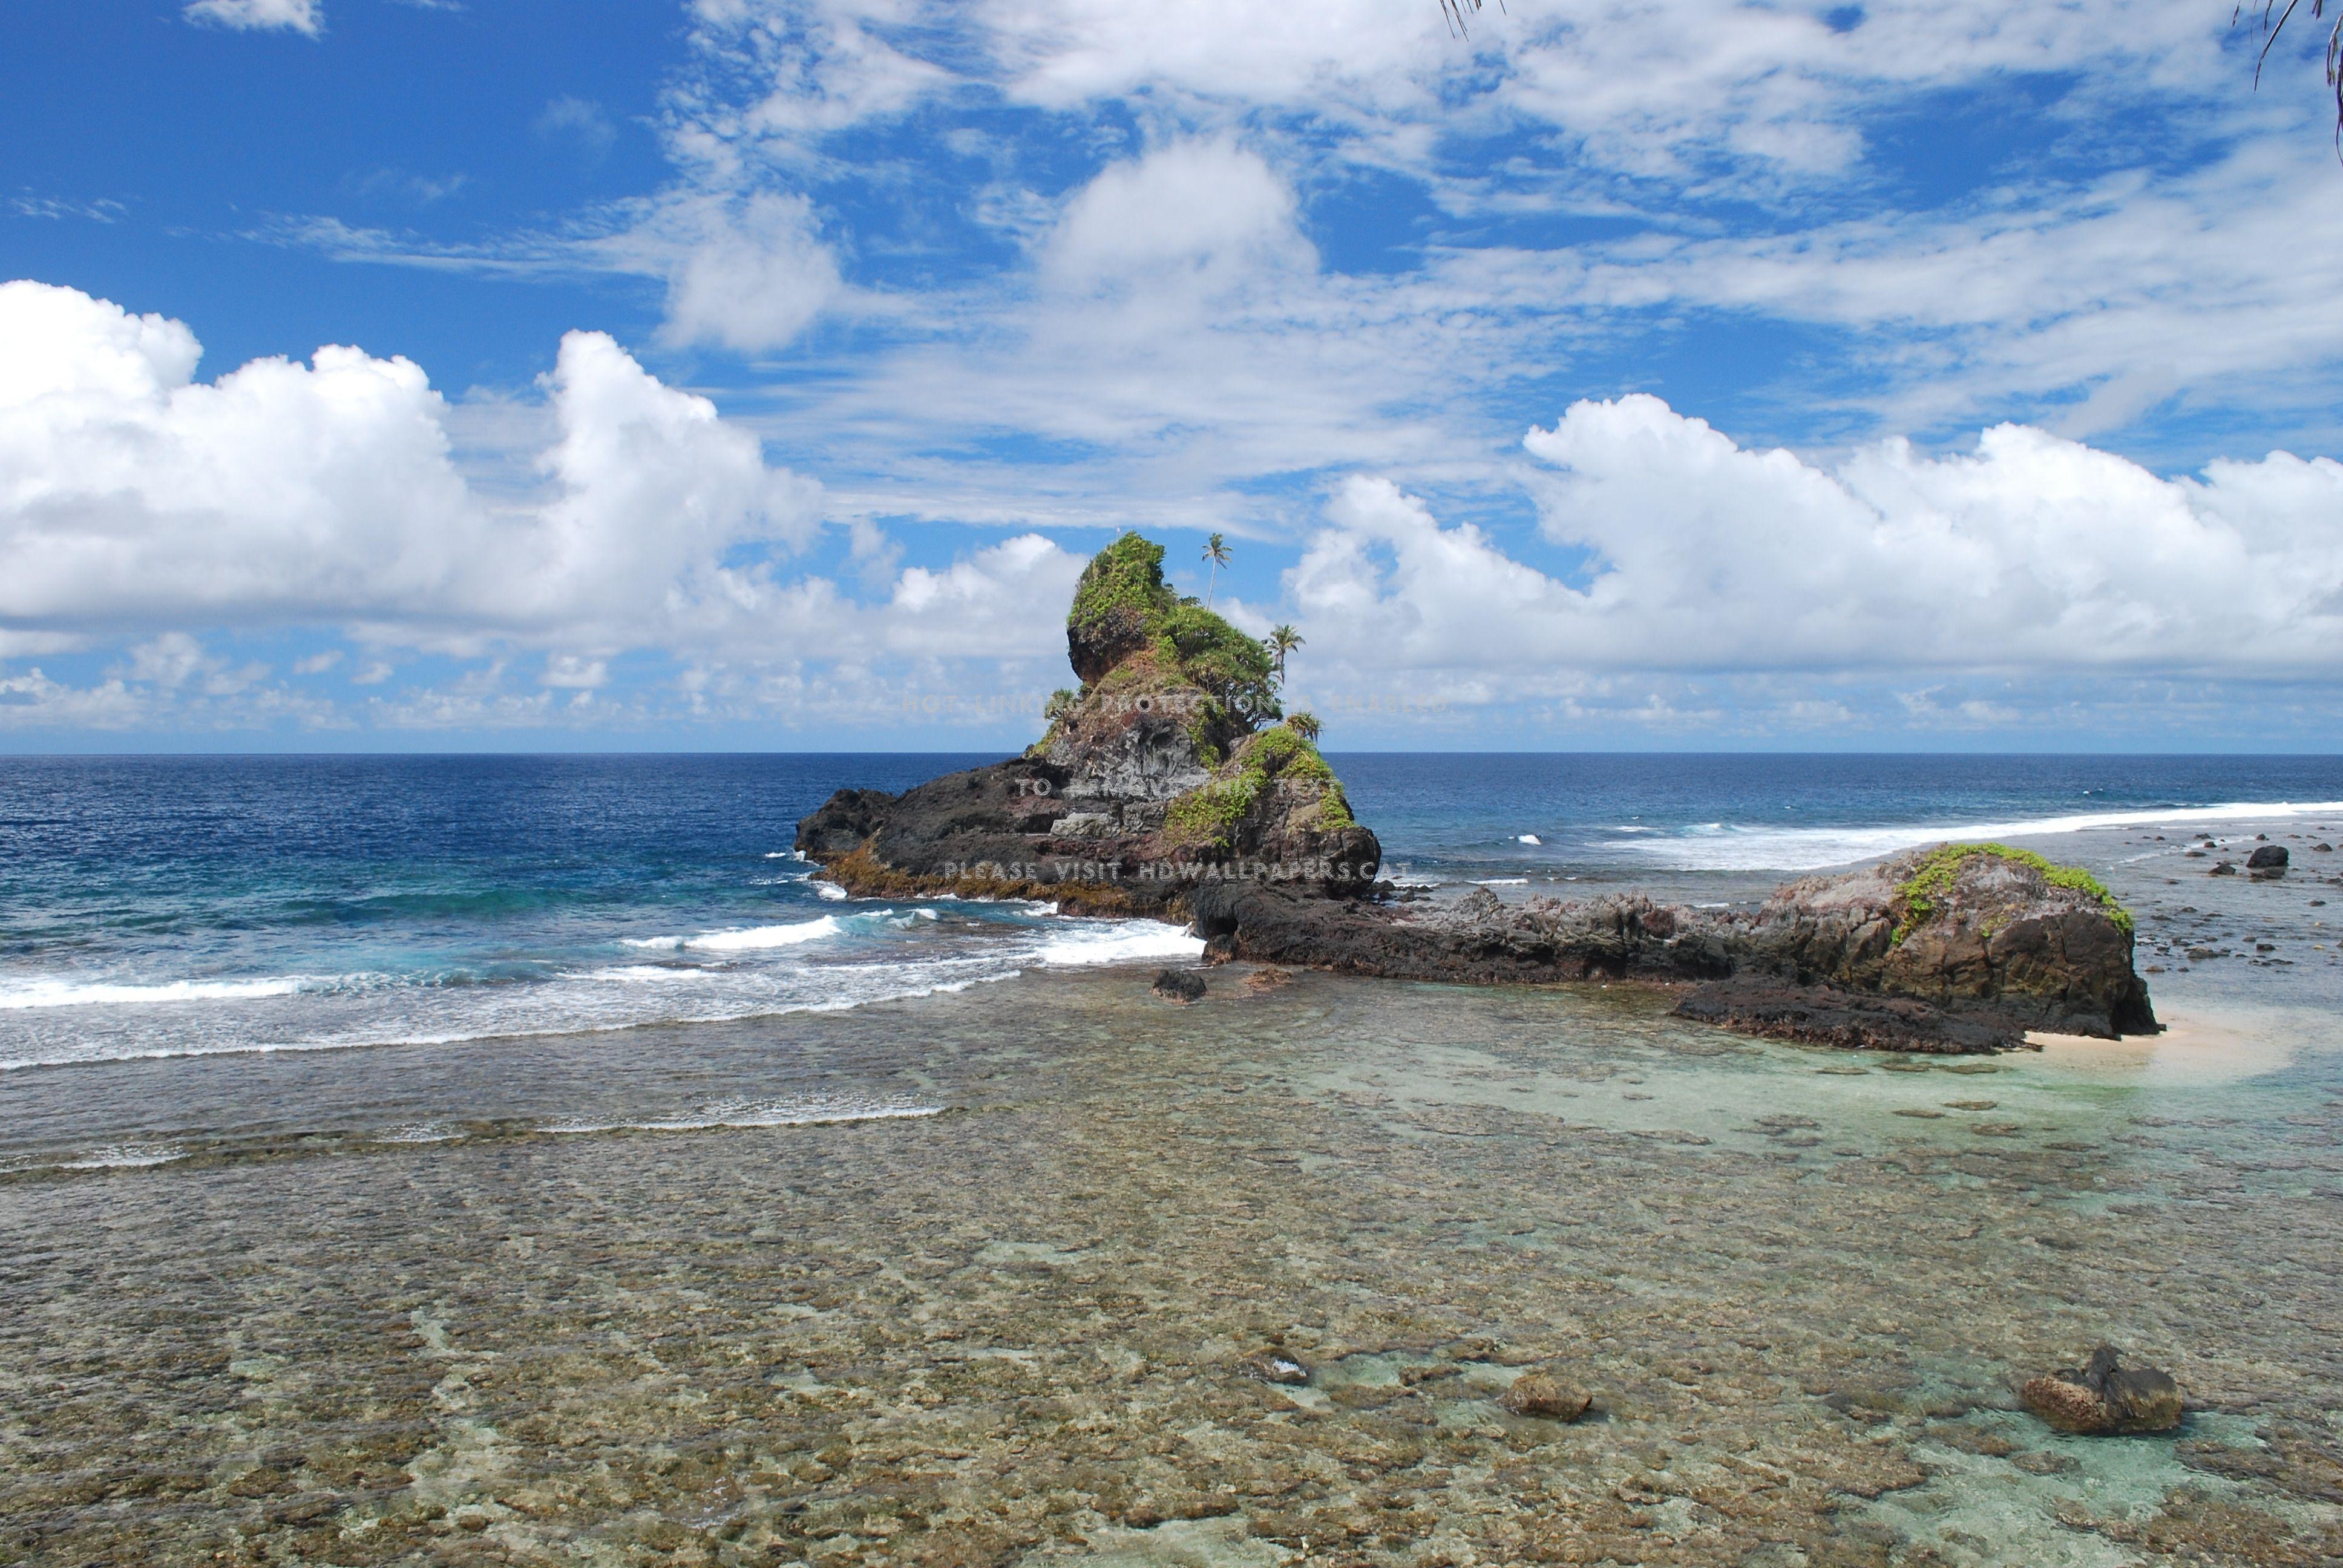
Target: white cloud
(2034,554)
(136,500)
(1192,215)
(747,274)
(580,121)
(132,494)
(294,16)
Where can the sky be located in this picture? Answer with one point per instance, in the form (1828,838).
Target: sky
(417,375)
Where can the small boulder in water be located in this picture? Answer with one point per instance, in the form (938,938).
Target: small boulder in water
(2104,1396)
(2222,868)
(1548,1397)
(1179,986)
(2267,862)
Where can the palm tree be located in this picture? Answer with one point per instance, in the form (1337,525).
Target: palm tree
(2276,15)
(1305,724)
(1216,551)
(1279,643)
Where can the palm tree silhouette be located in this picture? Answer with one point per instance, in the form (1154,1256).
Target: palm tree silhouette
(1281,642)
(1216,551)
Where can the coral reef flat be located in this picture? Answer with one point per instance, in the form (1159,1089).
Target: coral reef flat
(1007,1303)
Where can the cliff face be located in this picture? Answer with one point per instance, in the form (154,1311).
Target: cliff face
(1164,773)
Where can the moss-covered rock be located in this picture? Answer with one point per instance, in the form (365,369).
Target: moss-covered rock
(1122,607)
(1118,607)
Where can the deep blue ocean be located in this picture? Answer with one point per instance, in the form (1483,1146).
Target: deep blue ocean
(172,906)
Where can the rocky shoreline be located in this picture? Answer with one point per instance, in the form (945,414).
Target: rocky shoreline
(1171,786)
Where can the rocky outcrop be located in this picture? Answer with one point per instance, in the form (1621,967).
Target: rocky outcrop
(1997,931)
(1962,948)
(1164,773)
(1165,786)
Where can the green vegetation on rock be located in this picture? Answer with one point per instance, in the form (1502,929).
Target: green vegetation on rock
(1206,814)
(1122,607)
(1931,879)
(1121,595)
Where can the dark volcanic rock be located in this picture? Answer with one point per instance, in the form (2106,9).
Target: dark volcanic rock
(1479,939)
(1179,986)
(1824,1015)
(2103,1397)
(2268,860)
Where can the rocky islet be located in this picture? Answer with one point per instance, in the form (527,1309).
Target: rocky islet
(1171,785)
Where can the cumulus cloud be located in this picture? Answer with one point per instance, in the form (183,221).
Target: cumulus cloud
(292,15)
(130,493)
(2032,553)
(143,508)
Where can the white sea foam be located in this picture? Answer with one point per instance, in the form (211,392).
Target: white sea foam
(1118,943)
(126,1157)
(831,891)
(1501,881)
(757,1113)
(1529,839)
(51,992)
(1808,848)
(748,938)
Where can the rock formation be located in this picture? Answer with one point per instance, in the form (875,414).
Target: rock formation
(1164,773)
(1164,786)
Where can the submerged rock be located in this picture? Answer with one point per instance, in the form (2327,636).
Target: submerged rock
(1824,1015)
(1548,1397)
(2105,1397)
(1181,986)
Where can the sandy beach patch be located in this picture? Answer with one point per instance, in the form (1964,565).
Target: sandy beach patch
(2197,1047)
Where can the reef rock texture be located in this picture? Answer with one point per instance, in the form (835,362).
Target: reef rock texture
(1167,786)
(2105,1397)
(1165,772)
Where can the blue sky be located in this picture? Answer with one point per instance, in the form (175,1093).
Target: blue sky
(749,373)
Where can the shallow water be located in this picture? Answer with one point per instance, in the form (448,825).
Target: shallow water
(451,1308)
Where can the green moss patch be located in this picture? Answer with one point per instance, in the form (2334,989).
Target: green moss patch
(1931,881)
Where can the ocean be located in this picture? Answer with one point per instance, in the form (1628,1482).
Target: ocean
(181,906)
(523,1159)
